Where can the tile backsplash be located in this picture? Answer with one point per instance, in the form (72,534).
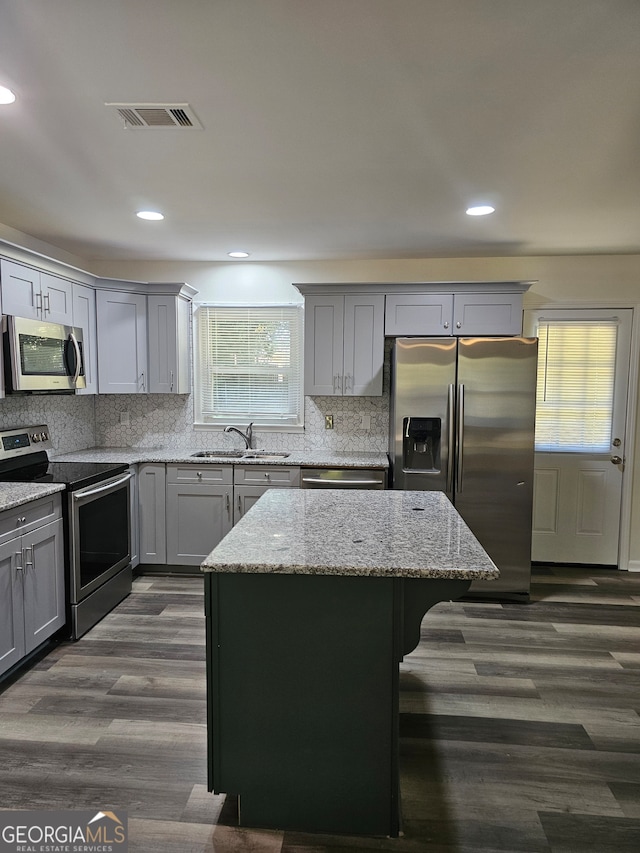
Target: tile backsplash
(71,419)
(164,420)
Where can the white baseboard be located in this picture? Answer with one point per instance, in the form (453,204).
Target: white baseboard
(633,566)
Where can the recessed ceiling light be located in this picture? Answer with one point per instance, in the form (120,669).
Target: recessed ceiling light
(150,214)
(238,254)
(480,210)
(6,95)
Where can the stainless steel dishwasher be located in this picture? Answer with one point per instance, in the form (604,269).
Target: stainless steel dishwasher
(343,478)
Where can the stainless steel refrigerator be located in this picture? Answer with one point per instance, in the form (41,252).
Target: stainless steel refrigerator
(462,422)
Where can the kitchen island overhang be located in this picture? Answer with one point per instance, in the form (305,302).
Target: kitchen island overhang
(311,602)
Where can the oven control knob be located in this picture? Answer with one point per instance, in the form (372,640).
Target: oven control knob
(35,436)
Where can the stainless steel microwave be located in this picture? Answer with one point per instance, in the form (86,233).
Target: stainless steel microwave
(40,356)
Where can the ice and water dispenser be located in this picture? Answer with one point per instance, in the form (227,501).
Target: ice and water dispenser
(421,444)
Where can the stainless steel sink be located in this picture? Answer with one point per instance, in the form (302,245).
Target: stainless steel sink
(227,454)
(269,455)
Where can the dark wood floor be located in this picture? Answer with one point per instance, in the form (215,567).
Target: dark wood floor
(520,726)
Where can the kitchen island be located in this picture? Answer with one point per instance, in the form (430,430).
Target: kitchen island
(311,602)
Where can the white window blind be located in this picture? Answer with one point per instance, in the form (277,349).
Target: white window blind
(576,373)
(249,364)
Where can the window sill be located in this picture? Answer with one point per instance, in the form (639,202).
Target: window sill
(257,427)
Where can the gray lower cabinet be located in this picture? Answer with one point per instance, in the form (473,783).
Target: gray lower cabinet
(152,513)
(252,481)
(199,510)
(32,601)
(133,514)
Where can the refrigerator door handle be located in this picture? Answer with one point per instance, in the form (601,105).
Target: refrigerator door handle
(460,447)
(451,437)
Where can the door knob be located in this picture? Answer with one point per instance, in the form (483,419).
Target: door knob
(616,460)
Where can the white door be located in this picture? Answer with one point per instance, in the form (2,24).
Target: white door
(583,373)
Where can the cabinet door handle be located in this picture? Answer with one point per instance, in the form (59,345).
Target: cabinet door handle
(336,382)
(27,562)
(446,325)
(47,304)
(228,506)
(19,565)
(348,382)
(239,505)
(458,325)
(142,381)
(172,380)
(39,301)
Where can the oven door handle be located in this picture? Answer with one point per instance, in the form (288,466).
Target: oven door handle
(111,485)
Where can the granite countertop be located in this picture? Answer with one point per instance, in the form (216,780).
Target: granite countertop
(16,494)
(359,532)
(303,458)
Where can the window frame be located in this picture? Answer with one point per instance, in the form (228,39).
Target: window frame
(203,421)
(575,317)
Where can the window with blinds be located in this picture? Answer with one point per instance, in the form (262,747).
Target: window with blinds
(576,375)
(248,365)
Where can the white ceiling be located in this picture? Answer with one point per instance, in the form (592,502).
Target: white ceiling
(332,128)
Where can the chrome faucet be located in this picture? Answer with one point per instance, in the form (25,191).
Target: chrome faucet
(246,436)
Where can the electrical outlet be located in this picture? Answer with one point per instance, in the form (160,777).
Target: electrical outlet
(328,421)
(125,418)
(365,421)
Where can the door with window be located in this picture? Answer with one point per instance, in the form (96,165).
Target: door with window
(583,373)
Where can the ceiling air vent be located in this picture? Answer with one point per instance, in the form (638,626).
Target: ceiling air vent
(156,116)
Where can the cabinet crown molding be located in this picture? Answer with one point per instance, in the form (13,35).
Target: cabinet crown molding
(148,288)
(307,288)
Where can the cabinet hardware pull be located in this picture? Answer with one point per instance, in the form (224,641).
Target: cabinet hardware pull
(142,381)
(19,556)
(39,301)
(172,380)
(228,506)
(239,504)
(47,304)
(27,562)
(458,325)
(446,325)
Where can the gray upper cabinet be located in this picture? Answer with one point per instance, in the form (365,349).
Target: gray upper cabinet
(344,344)
(27,292)
(487,314)
(122,342)
(144,339)
(84,316)
(418,314)
(169,319)
(464,313)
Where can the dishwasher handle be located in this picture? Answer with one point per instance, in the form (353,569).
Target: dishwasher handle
(342,478)
(331,484)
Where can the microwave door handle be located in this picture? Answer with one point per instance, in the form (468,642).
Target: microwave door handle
(76,347)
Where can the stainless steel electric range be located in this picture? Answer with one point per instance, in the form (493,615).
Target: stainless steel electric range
(96,521)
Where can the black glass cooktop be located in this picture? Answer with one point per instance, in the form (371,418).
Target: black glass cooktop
(75,475)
